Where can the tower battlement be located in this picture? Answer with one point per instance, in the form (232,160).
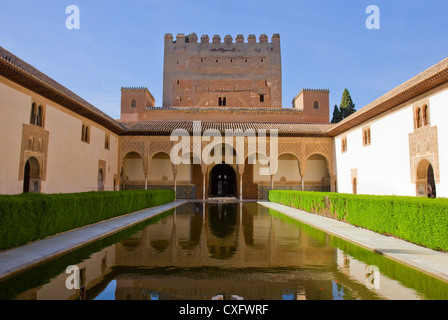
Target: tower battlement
(192,38)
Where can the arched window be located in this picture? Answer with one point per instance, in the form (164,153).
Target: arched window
(316,105)
(39,121)
(85,133)
(425,115)
(133,103)
(419,118)
(33,113)
(366,136)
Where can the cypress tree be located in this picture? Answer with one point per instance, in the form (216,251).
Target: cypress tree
(347,106)
(337,115)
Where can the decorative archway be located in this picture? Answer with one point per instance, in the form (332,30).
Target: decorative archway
(31,178)
(426,186)
(133,173)
(318,172)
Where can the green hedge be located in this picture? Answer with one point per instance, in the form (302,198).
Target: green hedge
(29,217)
(422,221)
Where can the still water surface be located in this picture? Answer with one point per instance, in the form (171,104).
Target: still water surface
(224,251)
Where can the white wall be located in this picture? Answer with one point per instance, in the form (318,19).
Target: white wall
(15,110)
(438,105)
(384,167)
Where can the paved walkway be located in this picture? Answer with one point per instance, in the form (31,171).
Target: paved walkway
(21,258)
(426,260)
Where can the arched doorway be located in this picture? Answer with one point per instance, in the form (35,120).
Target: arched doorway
(223,181)
(31,177)
(355,186)
(426,185)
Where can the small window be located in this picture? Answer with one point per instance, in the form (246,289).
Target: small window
(316,105)
(418,118)
(261,97)
(425,116)
(222,101)
(133,103)
(37,115)
(33,114)
(366,141)
(344,144)
(85,134)
(39,120)
(107,142)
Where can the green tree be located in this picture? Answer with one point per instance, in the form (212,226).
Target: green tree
(337,115)
(347,106)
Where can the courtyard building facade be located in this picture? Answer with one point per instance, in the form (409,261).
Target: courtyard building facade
(56,142)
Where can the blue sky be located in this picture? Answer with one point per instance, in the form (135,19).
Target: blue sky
(324,43)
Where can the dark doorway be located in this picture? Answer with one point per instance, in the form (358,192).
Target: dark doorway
(26,178)
(222,181)
(431,183)
(31,176)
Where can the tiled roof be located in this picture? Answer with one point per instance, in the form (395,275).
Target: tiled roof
(17,70)
(284,129)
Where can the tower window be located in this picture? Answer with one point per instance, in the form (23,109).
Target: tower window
(316,105)
(261,97)
(133,103)
(222,101)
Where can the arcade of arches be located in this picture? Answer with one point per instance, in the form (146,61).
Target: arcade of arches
(303,164)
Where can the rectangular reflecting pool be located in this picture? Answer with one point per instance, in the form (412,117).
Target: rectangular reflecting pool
(222,251)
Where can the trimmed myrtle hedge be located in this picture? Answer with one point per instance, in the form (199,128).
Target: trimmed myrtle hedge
(421,221)
(29,217)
